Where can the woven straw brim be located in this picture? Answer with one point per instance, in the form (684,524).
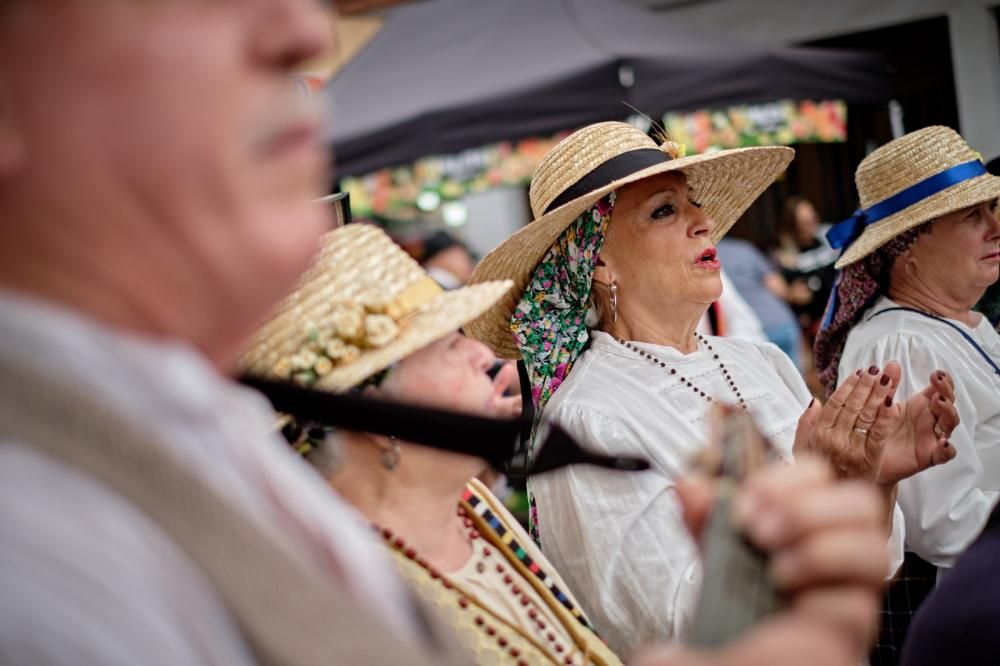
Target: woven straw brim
(725,183)
(967,193)
(445,314)
(360,264)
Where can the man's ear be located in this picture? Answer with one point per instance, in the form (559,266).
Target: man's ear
(11,140)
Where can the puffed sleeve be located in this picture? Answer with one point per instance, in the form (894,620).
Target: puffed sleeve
(787,372)
(943,507)
(618,539)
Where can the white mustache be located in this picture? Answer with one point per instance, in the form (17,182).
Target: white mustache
(290,109)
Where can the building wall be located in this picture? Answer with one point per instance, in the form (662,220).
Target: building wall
(972,25)
(493,216)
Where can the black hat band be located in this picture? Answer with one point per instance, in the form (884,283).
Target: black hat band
(608,172)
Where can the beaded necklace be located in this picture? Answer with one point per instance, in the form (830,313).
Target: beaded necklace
(466,601)
(673,371)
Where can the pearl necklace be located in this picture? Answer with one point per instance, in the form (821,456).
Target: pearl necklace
(684,380)
(465,600)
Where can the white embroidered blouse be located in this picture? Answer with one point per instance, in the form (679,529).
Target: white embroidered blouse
(944,507)
(618,539)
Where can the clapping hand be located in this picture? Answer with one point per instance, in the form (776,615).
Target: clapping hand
(916,432)
(865,434)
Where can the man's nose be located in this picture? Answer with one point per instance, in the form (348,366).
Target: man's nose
(290,32)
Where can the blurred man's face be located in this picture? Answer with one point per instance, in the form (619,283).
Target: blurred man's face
(178,116)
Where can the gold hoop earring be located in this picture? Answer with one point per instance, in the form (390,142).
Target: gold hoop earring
(614,300)
(389,454)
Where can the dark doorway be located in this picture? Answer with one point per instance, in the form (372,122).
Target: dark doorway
(918,60)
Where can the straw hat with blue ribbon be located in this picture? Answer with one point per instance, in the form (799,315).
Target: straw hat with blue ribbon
(908,181)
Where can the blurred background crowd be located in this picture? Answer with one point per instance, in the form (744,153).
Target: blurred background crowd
(453,127)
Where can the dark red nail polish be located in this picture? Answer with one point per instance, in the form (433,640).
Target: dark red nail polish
(884,380)
(888,401)
(942,398)
(857,373)
(873,370)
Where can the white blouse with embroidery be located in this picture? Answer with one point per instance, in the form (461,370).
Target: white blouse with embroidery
(945,507)
(619,539)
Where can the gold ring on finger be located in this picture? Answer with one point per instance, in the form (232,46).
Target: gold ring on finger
(938,431)
(863,431)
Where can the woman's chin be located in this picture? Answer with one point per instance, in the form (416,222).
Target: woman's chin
(712,283)
(988,276)
(706,298)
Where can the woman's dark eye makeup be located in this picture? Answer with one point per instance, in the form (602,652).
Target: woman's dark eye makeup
(663,211)
(666,210)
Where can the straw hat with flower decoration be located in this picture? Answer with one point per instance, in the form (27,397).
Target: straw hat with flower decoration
(363,306)
(589,164)
(915,178)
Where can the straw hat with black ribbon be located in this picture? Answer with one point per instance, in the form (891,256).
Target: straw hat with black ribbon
(363,306)
(908,181)
(591,163)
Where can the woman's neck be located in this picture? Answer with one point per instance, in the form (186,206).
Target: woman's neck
(416,503)
(675,329)
(922,296)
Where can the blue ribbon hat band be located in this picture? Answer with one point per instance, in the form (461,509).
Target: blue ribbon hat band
(842,234)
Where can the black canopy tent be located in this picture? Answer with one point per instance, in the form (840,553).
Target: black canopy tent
(445,75)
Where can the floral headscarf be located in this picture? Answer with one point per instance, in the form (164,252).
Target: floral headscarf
(856,290)
(549,323)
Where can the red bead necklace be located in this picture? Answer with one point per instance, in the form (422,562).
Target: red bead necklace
(684,380)
(465,600)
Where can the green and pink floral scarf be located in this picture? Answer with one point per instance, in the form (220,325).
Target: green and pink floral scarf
(549,323)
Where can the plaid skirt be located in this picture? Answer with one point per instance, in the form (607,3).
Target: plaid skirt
(917,578)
